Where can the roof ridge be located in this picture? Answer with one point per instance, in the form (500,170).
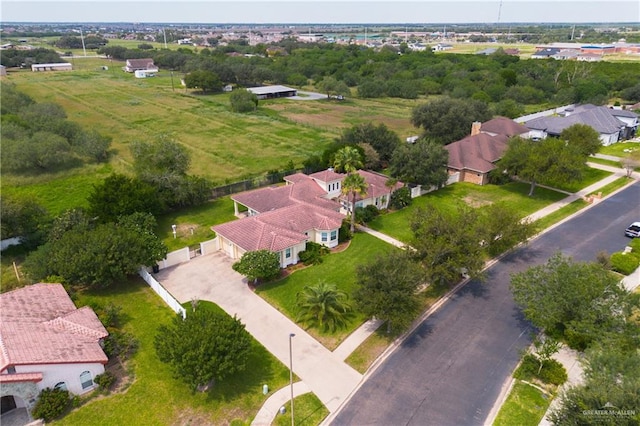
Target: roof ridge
(76,328)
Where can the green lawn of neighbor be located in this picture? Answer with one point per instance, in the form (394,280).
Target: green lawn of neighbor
(525,406)
(337,268)
(619,149)
(590,176)
(156,397)
(396,224)
(308,411)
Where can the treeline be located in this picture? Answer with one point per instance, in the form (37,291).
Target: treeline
(500,79)
(38,137)
(17,58)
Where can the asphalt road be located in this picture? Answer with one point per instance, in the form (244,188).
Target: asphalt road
(450,370)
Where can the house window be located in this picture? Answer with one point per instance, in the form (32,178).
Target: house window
(86,380)
(334,235)
(11,370)
(287,253)
(324,237)
(61,385)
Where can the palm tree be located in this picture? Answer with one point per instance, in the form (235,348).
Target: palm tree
(350,160)
(353,185)
(347,159)
(323,305)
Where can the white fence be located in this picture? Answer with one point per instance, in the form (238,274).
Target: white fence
(418,190)
(185,254)
(162,292)
(210,246)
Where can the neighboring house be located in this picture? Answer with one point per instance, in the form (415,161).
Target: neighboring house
(441,47)
(546,53)
(46,342)
(612,124)
(475,156)
(283,218)
(145,64)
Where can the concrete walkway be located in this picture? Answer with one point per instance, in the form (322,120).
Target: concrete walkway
(382,236)
(280,398)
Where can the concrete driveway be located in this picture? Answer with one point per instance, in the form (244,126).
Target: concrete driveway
(211,278)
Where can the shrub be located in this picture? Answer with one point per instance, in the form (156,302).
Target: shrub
(604,259)
(366,214)
(313,254)
(552,371)
(120,343)
(624,263)
(400,198)
(51,404)
(344,234)
(105,380)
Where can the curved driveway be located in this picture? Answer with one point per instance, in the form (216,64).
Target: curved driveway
(451,369)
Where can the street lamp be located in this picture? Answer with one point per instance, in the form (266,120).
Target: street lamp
(291,335)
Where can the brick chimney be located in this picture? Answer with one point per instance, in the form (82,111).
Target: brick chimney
(475,128)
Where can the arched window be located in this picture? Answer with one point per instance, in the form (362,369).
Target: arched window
(86,380)
(60,385)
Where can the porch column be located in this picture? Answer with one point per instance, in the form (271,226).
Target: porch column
(235,207)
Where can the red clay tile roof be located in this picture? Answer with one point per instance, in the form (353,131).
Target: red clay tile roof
(478,152)
(39,324)
(302,189)
(503,126)
(20,377)
(328,175)
(279,229)
(376,186)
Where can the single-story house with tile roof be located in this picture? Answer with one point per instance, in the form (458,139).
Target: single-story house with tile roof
(612,124)
(475,156)
(133,65)
(284,231)
(46,342)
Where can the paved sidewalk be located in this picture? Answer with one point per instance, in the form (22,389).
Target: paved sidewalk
(381,236)
(280,398)
(356,338)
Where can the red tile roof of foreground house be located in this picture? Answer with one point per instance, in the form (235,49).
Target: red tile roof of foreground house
(279,229)
(477,152)
(503,126)
(20,377)
(302,189)
(328,175)
(39,324)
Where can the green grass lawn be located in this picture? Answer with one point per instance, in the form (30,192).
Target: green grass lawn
(590,176)
(337,268)
(525,406)
(157,398)
(396,224)
(618,149)
(308,411)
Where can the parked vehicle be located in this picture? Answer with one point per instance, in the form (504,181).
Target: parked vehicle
(633,230)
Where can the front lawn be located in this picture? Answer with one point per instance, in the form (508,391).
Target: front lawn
(155,397)
(589,177)
(308,411)
(525,405)
(337,268)
(514,194)
(620,149)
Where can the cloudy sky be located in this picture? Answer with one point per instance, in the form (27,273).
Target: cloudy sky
(321,11)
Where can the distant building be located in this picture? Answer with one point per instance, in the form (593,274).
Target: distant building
(270,92)
(134,65)
(62,66)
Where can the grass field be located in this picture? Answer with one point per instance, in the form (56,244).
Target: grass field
(525,406)
(157,398)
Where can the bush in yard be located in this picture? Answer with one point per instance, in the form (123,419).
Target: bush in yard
(552,371)
(344,234)
(624,263)
(105,380)
(366,214)
(51,404)
(313,254)
(258,264)
(400,198)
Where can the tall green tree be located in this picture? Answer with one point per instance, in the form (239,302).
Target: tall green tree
(204,347)
(446,244)
(333,87)
(447,119)
(349,160)
(380,137)
(120,195)
(324,306)
(387,287)
(500,228)
(576,301)
(243,101)
(258,265)
(24,217)
(423,162)
(582,137)
(549,161)
(205,80)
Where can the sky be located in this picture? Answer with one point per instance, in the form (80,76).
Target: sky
(322,11)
